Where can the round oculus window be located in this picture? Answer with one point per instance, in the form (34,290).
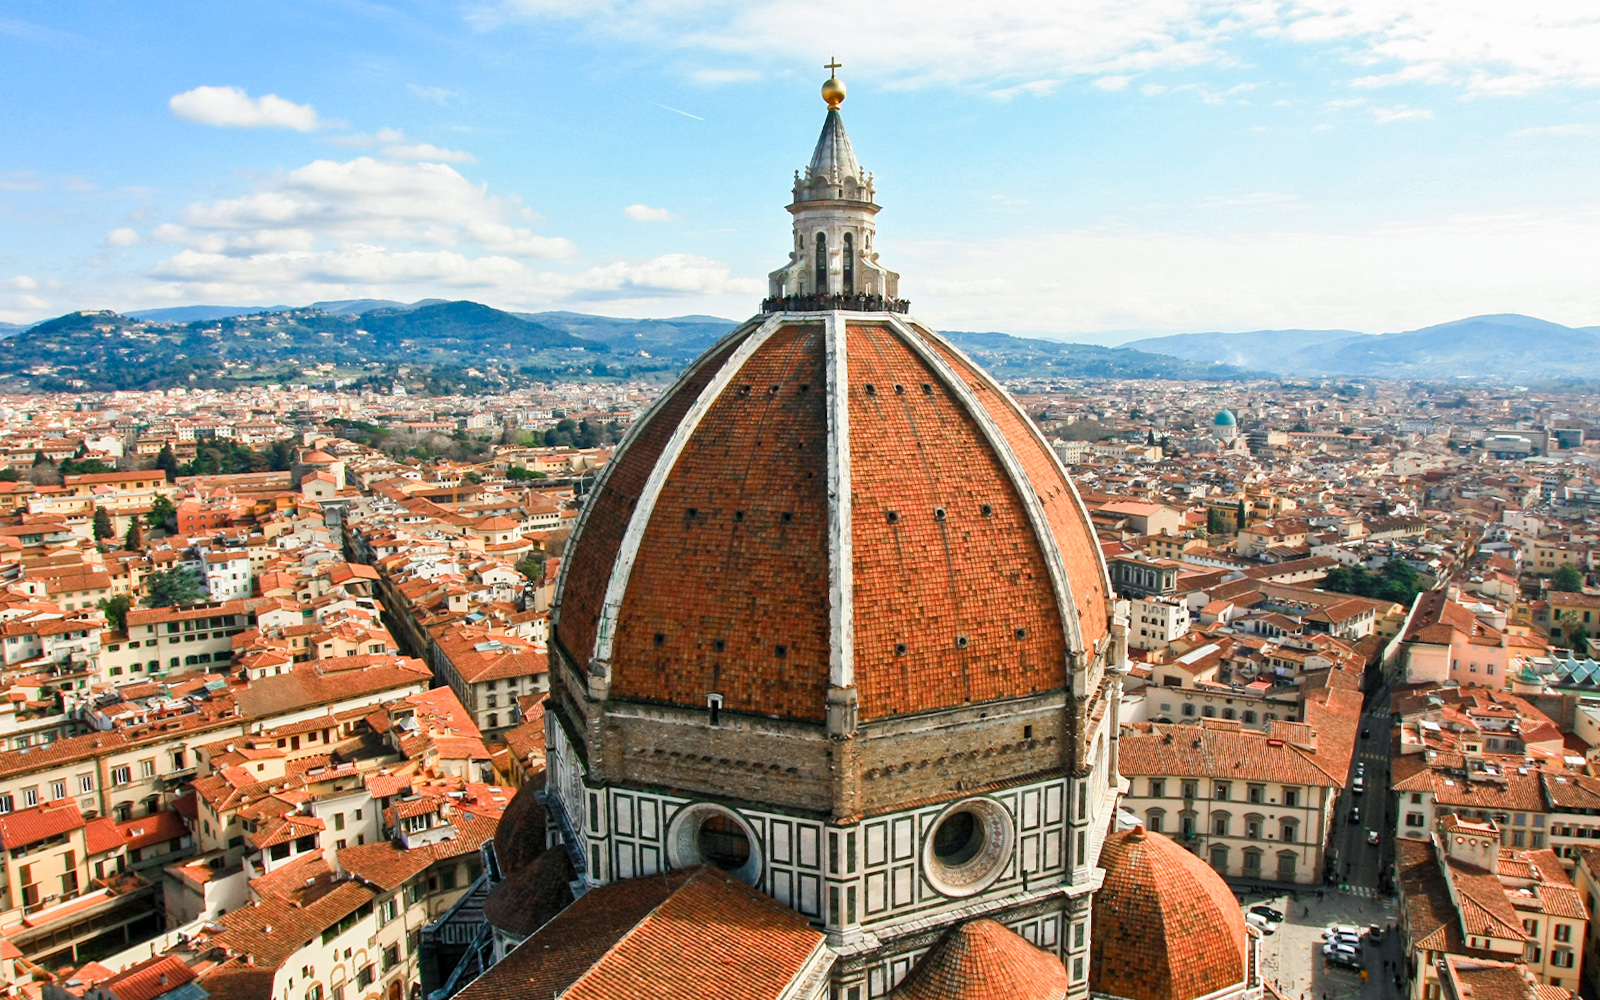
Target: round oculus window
(969,847)
(711,835)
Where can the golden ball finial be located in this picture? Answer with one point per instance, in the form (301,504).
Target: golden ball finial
(833,90)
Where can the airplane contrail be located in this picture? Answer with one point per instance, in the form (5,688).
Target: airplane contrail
(683,113)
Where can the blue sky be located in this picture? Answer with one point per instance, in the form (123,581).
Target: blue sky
(1119,165)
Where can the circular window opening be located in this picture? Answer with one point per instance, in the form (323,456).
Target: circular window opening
(958,839)
(969,847)
(706,834)
(722,842)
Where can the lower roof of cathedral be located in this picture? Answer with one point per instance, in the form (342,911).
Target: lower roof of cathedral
(1166,926)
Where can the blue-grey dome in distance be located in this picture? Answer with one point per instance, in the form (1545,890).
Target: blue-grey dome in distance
(1225,419)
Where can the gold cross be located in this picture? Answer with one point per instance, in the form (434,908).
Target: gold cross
(833,65)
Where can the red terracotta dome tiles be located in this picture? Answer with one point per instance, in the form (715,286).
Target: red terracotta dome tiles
(736,551)
(1166,926)
(982,960)
(923,582)
(1079,548)
(595,546)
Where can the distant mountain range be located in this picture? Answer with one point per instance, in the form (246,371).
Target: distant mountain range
(438,346)
(435,346)
(1506,347)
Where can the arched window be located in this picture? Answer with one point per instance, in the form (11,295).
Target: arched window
(1153,820)
(1219,859)
(822,263)
(1289,831)
(1252,863)
(1219,823)
(849,264)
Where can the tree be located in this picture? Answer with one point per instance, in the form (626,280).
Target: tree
(517,474)
(167,462)
(472,479)
(1398,582)
(134,540)
(532,566)
(162,512)
(10,476)
(1216,524)
(43,471)
(83,466)
(103,528)
(115,608)
(1566,579)
(174,586)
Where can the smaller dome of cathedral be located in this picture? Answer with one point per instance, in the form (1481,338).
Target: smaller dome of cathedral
(1225,418)
(982,960)
(1166,926)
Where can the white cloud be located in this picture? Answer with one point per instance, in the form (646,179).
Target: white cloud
(644,213)
(1400,113)
(1573,129)
(428,151)
(231,107)
(122,237)
(21,180)
(1478,46)
(1033,88)
(367,200)
(366,140)
(333,229)
(18,304)
(1376,279)
(438,95)
(670,275)
(1113,82)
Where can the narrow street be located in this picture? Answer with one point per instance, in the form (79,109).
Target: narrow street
(1359,864)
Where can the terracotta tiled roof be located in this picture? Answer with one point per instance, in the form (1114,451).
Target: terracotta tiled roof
(690,933)
(238,980)
(1430,917)
(1205,752)
(520,836)
(28,826)
(1484,979)
(982,960)
(101,835)
(275,930)
(149,979)
(1166,926)
(147,831)
(729,591)
(538,891)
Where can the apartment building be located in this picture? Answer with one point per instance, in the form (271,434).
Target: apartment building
(1157,622)
(1462,892)
(1254,805)
(166,640)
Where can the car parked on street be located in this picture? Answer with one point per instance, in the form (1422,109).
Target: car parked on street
(1276,916)
(1342,954)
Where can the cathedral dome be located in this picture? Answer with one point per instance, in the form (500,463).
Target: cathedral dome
(833,501)
(982,960)
(1225,418)
(1166,926)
